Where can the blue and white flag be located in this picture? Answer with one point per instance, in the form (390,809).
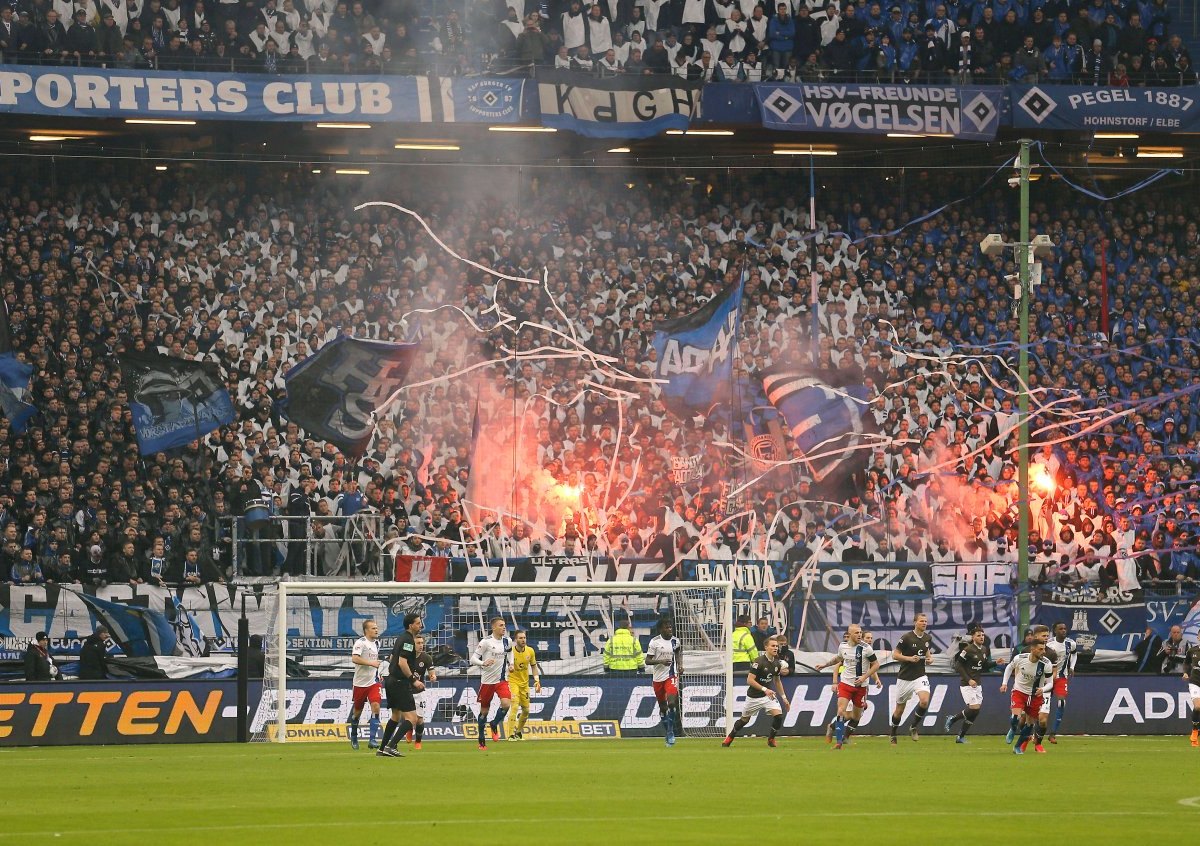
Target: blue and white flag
(139,631)
(825,415)
(188,635)
(334,393)
(620,107)
(695,353)
(174,401)
(14,385)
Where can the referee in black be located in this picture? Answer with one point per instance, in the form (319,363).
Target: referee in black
(400,687)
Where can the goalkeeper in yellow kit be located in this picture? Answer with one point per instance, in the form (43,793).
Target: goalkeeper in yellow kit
(524,664)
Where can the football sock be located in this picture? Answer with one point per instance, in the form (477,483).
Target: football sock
(500,717)
(1196,718)
(374,724)
(521,718)
(482,722)
(895,724)
(968,720)
(388,731)
(918,714)
(418,732)
(1039,731)
(1058,715)
(851,725)
(839,729)
(669,717)
(1025,732)
(738,726)
(402,729)
(776,725)
(1015,723)
(961,715)
(352,726)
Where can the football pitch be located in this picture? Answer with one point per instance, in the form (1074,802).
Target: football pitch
(1084,790)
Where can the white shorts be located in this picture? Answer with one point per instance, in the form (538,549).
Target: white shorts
(422,700)
(1194,690)
(971,696)
(762,703)
(907,689)
(1045,709)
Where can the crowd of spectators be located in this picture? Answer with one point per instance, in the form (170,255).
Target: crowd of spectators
(258,268)
(1099,42)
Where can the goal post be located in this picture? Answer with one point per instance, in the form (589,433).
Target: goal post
(567,624)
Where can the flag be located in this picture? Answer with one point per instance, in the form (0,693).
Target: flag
(139,631)
(14,379)
(825,412)
(334,393)
(620,107)
(174,401)
(187,631)
(695,353)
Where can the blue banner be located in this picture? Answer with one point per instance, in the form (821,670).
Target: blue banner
(140,632)
(695,353)
(1108,619)
(14,384)
(621,107)
(100,92)
(173,401)
(963,112)
(1089,108)
(826,422)
(333,394)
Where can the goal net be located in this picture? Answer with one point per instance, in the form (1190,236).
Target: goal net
(314,625)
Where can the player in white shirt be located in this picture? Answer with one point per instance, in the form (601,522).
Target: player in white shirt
(365,657)
(1033,680)
(665,655)
(1066,653)
(491,655)
(856,662)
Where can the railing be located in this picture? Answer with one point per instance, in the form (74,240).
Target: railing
(317,546)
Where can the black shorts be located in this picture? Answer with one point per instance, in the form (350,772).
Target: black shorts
(400,695)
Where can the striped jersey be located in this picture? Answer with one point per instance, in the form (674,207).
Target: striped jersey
(661,648)
(1066,653)
(856,661)
(1030,676)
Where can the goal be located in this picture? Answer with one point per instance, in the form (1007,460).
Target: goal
(313,626)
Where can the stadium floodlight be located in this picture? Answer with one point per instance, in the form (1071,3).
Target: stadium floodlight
(1042,246)
(992,245)
(571,620)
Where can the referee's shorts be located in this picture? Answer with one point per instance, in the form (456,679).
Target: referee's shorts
(400,695)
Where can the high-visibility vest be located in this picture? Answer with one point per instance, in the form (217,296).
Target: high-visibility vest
(623,652)
(744,650)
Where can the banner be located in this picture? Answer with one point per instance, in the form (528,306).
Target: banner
(173,401)
(113,93)
(139,632)
(14,384)
(1107,619)
(815,605)
(333,394)
(695,353)
(422,568)
(1099,704)
(620,107)
(963,112)
(103,713)
(686,469)
(1078,107)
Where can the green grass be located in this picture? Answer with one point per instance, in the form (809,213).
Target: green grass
(615,792)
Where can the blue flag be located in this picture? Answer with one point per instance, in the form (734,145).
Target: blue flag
(825,414)
(14,384)
(187,631)
(618,107)
(139,631)
(334,393)
(174,401)
(695,353)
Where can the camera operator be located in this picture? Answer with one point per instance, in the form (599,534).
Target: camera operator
(1164,657)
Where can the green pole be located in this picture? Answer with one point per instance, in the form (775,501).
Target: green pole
(1024,271)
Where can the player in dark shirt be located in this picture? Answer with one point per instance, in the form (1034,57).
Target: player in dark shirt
(401,686)
(1191,674)
(763,676)
(423,672)
(972,661)
(913,652)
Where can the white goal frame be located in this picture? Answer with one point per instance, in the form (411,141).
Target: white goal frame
(302,588)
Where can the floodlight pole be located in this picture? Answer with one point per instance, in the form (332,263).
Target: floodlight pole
(1023,516)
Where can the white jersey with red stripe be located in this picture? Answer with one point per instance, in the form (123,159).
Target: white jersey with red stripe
(366,675)
(663,649)
(856,661)
(1030,676)
(498,649)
